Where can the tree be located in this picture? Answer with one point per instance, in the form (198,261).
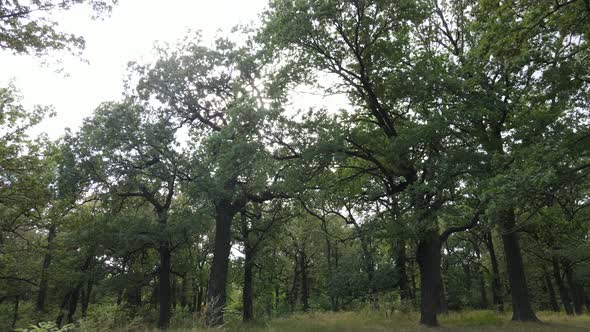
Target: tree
(397,127)
(215,93)
(126,165)
(257,223)
(28,173)
(511,75)
(479,68)
(28,28)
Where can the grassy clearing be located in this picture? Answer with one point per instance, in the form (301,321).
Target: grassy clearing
(369,321)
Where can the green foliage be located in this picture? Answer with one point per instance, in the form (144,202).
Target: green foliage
(47,327)
(462,116)
(28,27)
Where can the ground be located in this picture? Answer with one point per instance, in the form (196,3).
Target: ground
(367,321)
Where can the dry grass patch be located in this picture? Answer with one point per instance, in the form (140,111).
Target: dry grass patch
(367,321)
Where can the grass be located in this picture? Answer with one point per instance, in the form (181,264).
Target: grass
(370,321)
(365,321)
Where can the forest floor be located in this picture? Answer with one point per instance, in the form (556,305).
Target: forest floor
(365,322)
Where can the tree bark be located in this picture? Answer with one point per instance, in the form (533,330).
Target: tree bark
(73,296)
(86,297)
(304,281)
(155,293)
(247,292)
(15,312)
(468,279)
(580,298)
(133,295)
(483,295)
(43,283)
(183,292)
(429,260)
(216,292)
(521,303)
(563,291)
(497,291)
(164,291)
(73,304)
(192,305)
(413,286)
(370,270)
(269,307)
(62,307)
(277,297)
(173,292)
(330,260)
(293,294)
(576,290)
(200,299)
(550,291)
(483,298)
(400,263)
(443,304)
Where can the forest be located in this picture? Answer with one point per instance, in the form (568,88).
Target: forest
(453,189)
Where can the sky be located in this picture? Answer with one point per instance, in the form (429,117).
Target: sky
(74,86)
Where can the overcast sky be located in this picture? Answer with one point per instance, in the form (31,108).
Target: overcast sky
(128,34)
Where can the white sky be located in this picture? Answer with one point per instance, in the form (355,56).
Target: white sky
(128,34)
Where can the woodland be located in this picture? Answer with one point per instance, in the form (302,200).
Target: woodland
(452,189)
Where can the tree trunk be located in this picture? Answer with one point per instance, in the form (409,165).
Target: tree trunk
(44,280)
(413,286)
(293,294)
(86,297)
(73,296)
(576,290)
(304,281)
(15,312)
(580,298)
(333,305)
(247,292)
(483,296)
(200,299)
(269,307)
(429,260)
(563,291)
(164,291)
(173,292)
(497,291)
(468,279)
(73,304)
(400,263)
(521,303)
(61,312)
(62,307)
(134,295)
(216,292)
(183,292)
(443,304)
(370,270)
(550,291)
(193,300)
(277,297)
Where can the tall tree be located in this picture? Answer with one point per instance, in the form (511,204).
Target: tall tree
(215,92)
(397,127)
(129,154)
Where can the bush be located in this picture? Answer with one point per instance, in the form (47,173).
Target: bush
(47,327)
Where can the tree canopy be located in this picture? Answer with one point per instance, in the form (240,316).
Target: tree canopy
(456,177)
